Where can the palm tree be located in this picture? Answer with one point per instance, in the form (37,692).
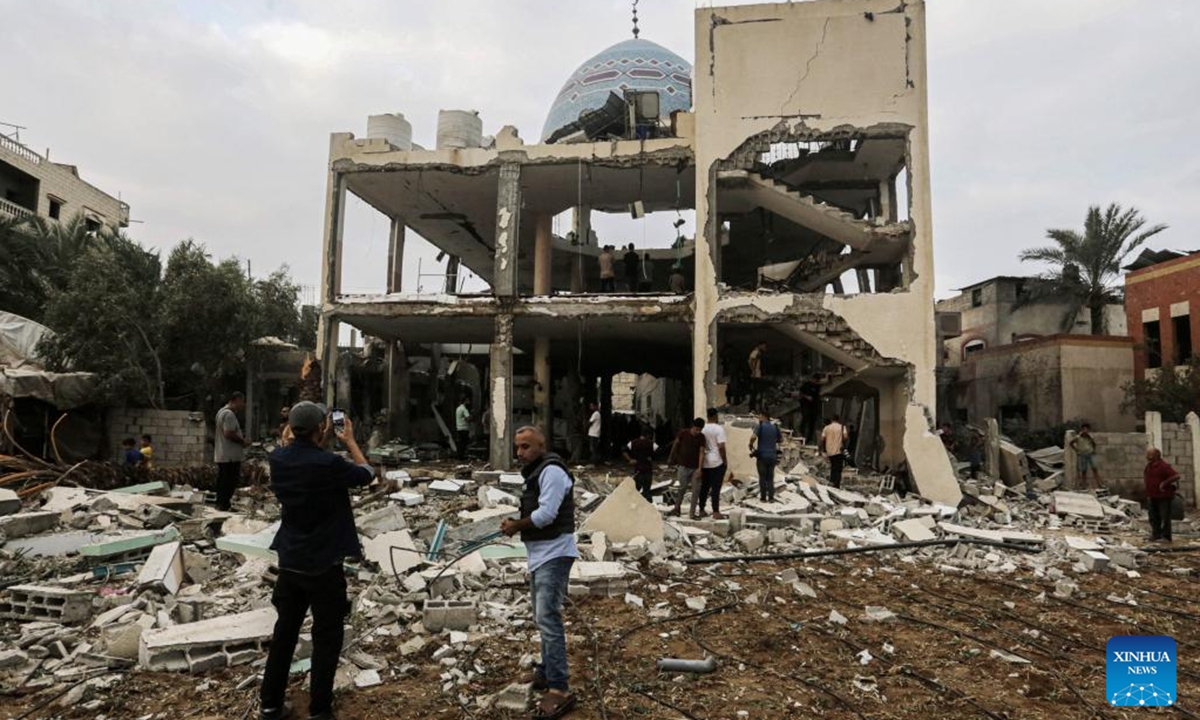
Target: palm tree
(1085,267)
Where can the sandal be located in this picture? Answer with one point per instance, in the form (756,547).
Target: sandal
(554,705)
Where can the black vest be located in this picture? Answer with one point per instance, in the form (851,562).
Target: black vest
(564,522)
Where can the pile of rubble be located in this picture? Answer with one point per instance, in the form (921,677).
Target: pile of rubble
(150,577)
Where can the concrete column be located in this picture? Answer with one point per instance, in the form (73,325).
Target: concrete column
(331,280)
(395,255)
(605,411)
(543,255)
(707,275)
(500,447)
(886,199)
(582,226)
(542,389)
(452,266)
(1154,429)
(1070,462)
(508,227)
(1193,426)
(399,389)
(991,449)
(864,279)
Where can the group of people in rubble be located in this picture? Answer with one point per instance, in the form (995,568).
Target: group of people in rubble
(317,531)
(638,271)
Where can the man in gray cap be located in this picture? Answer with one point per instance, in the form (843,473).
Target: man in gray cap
(315,535)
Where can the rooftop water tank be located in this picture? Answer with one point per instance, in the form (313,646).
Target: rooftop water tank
(391,127)
(459,129)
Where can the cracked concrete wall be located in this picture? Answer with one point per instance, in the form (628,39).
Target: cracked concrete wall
(819,67)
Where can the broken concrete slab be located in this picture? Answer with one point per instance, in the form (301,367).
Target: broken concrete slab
(46,602)
(163,570)
(749,540)
(388,518)
(28,523)
(912,530)
(379,551)
(10,502)
(1094,560)
(217,642)
(624,515)
(251,545)
(55,545)
(127,543)
(407,498)
(157,487)
(1081,504)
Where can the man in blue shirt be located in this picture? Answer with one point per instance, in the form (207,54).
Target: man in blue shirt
(766,436)
(547,527)
(315,535)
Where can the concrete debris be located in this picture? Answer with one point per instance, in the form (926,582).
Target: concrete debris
(624,515)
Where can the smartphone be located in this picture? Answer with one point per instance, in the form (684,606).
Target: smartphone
(339,418)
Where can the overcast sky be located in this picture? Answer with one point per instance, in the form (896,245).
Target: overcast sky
(212,117)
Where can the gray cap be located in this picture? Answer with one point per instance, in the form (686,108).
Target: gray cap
(305,417)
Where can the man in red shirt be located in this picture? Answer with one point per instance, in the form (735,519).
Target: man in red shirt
(1161,483)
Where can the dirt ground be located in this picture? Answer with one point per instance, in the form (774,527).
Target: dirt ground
(780,657)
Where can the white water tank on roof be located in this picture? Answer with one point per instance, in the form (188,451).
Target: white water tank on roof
(391,127)
(459,129)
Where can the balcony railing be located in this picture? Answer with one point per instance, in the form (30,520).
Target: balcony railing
(10,208)
(20,150)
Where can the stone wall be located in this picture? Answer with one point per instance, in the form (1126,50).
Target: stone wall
(1121,458)
(179,437)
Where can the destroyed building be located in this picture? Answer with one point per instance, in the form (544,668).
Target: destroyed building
(799,140)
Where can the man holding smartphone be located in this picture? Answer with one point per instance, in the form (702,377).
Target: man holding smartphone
(315,535)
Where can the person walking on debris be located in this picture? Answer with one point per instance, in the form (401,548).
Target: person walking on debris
(755,364)
(1161,483)
(547,527)
(608,277)
(833,439)
(462,426)
(764,448)
(687,455)
(712,473)
(810,407)
(640,453)
(1084,446)
(229,448)
(316,533)
(593,432)
(631,269)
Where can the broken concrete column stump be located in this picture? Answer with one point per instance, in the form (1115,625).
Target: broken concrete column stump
(449,615)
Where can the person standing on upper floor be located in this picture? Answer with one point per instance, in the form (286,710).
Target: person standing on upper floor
(764,447)
(716,462)
(1084,446)
(316,533)
(593,431)
(755,365)
(640,453)
(608,276)
(632,271)
(462,426)
(646,280)
(547,527)
(229,448)
(1161,483)
(687,455)
(833,439)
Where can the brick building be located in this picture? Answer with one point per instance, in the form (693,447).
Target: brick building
(1162,298)
(32,185)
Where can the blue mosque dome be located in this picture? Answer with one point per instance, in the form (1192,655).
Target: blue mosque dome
(629,65)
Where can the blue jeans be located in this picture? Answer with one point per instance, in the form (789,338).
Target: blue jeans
(548,585)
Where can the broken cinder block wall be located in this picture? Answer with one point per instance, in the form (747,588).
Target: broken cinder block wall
(841,73)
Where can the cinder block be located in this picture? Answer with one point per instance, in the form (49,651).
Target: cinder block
(45,602)
(163,571)
(218,642)
(1094,560)
(449,614)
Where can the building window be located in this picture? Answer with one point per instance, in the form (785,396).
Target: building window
(1153,342)
(977,297)
(1183,338)
(55,208)
(973,347)
(92,225)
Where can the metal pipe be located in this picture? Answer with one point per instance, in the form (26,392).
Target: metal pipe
(867,549)
(706,665)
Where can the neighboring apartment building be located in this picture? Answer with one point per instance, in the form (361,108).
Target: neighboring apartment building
(31,184)
(1018,363)
(1162,301)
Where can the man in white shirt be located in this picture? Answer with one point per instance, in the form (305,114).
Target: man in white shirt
(462,426)
(715,464)
(833,439)
(594,433)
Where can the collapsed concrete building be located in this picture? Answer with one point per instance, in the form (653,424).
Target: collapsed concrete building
(800,141)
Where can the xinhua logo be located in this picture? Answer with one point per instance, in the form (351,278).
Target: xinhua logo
(1141,671)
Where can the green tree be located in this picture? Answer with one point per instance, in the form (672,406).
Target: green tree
(277,306)
(1172,391)
(1085,268)
(105,323)
(22,290)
